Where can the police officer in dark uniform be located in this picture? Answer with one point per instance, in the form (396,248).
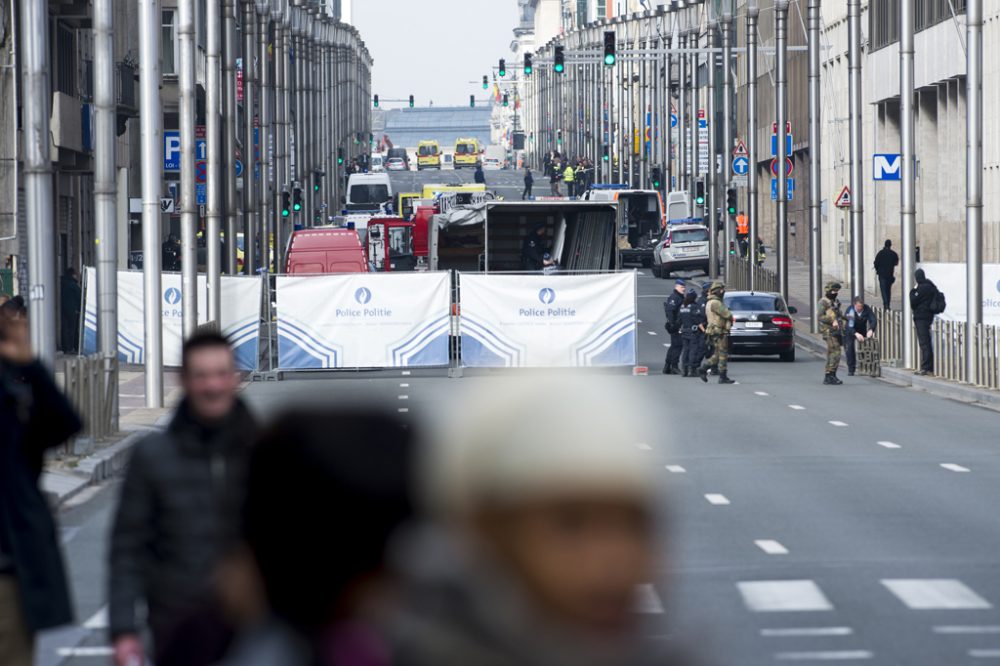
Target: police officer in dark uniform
(671,306)
(692,322)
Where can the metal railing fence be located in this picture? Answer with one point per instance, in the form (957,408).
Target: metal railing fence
(739,276)
(91,384)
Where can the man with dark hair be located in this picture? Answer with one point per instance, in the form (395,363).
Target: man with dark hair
(179,508)
(885,266)
(860,326)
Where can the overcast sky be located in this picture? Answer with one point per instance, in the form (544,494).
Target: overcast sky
(432,49)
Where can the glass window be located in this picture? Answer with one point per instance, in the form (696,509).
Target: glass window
(428,151)
(689,235)
(168,41)
(369,194)
(755,303)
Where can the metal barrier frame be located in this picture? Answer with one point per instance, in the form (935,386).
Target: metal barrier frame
(91,384)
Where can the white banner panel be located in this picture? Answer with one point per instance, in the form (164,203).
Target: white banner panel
(950,279)
(363,320)
(548,321)
(240,316)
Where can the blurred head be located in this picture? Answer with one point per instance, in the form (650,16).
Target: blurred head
(690,296)
(919,275)
(888,243)
(208,376)
(540,476)
(859,303)
(679,286)
(832,289)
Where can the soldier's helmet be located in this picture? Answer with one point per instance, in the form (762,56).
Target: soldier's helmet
(832,286)
(717,288)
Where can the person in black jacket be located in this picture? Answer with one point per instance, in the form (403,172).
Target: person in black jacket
(861,324)
(34,417)
(885,266)
(70,296)
(691,317)
(529,182)
(671,308)
(479,176)
(533,249)
(922,304)
(179,508)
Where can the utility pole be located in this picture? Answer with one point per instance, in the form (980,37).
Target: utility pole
(815,172)
(694,39)
(727,117)
(753,13)
(229,129)
(213,141)
(683,183)
(857,182)
(189,203)
(974,185)
(250,129)
(781,106)
(907,192)
(711,179)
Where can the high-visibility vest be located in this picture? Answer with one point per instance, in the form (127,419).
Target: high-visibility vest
(569,174)
(742,224)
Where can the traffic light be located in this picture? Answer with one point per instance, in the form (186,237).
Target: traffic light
(732,247)
(607,154)
(609,48)
(340,156)
(503,68)
(505,102)
(472,101)
(654,177)
(560,60)
(527,64)
(411,101)
(375,101)
(731,202)
(699,192)
(317,180)
(486,82)
(286,203)
(559,137)
(296,199)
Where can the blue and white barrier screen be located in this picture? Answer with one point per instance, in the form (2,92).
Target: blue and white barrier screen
(548,321)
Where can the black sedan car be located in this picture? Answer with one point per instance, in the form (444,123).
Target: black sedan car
(762,324)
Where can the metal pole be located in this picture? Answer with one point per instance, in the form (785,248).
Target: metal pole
(289,148)
(229,109)
(280,135)
(781,106)
(711,180)
(189,202)
(213,143)
(974,184)
(250,129)
(727,123)
(151,134)
(753,13)
(815,172)
(673,168)
(683,168)
(105,186)
(857,195)
(694,40)
(266,63)
(908,199)
(38,180)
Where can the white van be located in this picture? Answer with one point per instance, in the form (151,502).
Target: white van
(366,192)
(377,165)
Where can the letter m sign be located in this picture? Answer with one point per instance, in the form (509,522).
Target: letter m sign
(887,167)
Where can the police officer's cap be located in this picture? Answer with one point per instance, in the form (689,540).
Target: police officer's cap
(679,283)
(832,286)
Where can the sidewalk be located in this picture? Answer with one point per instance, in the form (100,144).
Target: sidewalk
(798,296)
(66,475)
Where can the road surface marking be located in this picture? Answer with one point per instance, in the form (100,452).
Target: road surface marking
(824,655)
(952,467)
(406,373)
(666,344)
(761,393)
(797,407)
(968,629)
(676,469)
(403,410)
(404,386)
(647,601)
(764,596)
(716,499)
(98,620)
(839,424)
(795,632)
(651,332)
(86,651)
(935,594)
(771,547)
(639,320)
(985,654)
(890,445)
(404,397)
(644,446)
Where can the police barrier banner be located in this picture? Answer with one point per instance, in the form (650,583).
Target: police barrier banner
(950,279)
(363,320)
(522,321)
(240,316)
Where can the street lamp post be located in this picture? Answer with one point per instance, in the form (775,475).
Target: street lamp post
(815,173)
(753,13)
(974,185)
(857,183)
(781,107)
(907,192)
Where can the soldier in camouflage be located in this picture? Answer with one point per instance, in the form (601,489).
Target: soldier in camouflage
(831,327)
(720,321)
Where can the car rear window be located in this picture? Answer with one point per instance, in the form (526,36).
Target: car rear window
(757,303)
(464,149)
(688,235)
(426,151)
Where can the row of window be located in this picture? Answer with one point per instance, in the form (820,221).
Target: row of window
(883,18)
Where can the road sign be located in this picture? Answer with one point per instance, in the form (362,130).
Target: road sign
(774,145)
(739,181)
(171,150)
(702,123)
(844,198)
(741,165)
(788,127)
(201,194)
(886,166)
(789,184)
(200,172)
(788,166)
(740,149)
(166,205)
(673,120)
(239,168)
(701,114)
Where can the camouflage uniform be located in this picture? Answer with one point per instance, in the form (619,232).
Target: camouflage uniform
(830,314)
(720,320)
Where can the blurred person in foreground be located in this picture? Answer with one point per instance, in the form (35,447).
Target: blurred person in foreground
(545,528)
(34,417)
(178,514)
(327,491)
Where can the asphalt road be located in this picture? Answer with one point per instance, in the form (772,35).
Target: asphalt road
(809,523)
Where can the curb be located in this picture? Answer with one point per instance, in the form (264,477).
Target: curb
(61,485)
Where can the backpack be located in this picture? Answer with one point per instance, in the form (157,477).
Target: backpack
(938,303)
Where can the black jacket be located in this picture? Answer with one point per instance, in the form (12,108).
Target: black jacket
(670,309)
(34,416)
(860,322)
(179,511)
(528,178)
(885,262)
(921,297)
(533,252)
(689,316)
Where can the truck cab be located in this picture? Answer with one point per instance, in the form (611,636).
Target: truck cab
(325,251)
(390,244)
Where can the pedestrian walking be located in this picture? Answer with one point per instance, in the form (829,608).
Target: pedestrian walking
(34,417)
(479,176)
(885,267)
(831,327)
(179,508)
(671,306)
(569,177)
(580,179)
(860,326)
(926,301)
(554,179)
(70,296)
(692,325)
(529,182)
(719,322)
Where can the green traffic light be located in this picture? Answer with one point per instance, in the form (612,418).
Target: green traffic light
(700,200)
(609,59)
(731,210)
(527,70)
(656,184)
(284,212)
(559,68)
(606,158)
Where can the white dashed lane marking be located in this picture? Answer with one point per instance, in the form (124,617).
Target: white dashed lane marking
(403,410)
(796,407)
(838,424)
(890,445)
(968,629)
(761,393)
(675,469)
(989,653)
(406,373)
(796,632)
(771,547)
(643,446)
(935,594)
(825,655)
(404,386)
(767,596)
(651,332)
(647,601)
(952,467)
(717,499)
(404,397)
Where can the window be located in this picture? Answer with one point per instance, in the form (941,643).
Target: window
(369,194)
(465,149)
(883,18)
(428,151)
(760,303)
(689,236)
(66,60)
(168,41)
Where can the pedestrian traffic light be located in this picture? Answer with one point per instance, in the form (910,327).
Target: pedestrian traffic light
(699,192)
(503,68)
(560,60)
(296,199)
(505,101)
(375,101)
(286,203)
(472,101)
(527,64)
(559,137)
(486,82)
(732,247)
(340,156)
(317,180)
(731,202)
(606,155)
(655,176)
(609,48)
(411,101)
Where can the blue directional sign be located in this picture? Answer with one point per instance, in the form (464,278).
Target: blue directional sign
(741,165)
(201,193)
(673,120)
(774,145)
(702,123)
(887,166)
(171,150)
(789,183)
(239,168)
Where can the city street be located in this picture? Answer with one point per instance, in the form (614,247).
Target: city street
(807,522)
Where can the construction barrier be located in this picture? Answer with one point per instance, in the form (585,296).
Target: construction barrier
(363,320)
(240,322)
(520,321)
